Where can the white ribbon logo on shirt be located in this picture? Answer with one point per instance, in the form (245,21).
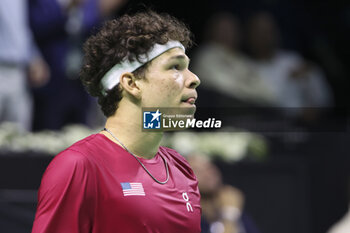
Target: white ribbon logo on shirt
(188,204)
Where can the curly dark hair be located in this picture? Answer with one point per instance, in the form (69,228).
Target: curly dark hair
(132,36)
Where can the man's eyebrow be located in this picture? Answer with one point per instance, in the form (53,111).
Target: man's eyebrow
(180,57)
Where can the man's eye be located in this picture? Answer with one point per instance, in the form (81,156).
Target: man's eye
(175,67)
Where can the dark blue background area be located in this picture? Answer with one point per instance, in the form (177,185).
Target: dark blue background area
(316,29)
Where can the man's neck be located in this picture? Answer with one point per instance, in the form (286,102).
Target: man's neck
(126,125)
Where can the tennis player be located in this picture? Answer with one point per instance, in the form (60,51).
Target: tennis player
(121,180)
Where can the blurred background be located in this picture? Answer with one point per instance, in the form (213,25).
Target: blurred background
(275,72)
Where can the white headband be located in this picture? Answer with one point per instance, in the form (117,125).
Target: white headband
(112,77)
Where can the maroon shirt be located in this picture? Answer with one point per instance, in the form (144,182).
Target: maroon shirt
(95,186)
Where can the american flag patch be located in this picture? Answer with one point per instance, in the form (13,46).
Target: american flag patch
(133,189)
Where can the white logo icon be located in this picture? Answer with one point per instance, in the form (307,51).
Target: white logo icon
(151,120)
(188,204)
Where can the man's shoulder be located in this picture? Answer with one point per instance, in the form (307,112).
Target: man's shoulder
(83,142)
(79,151)
(87,145)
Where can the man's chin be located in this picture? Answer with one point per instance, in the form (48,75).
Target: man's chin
(181,109)
(188,109)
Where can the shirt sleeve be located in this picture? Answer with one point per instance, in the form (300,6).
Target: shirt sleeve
(66,197)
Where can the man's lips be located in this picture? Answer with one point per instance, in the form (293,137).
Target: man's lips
(190,100)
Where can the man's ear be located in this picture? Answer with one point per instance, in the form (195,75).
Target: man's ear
(129,83)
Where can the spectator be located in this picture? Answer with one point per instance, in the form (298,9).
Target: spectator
(222,205)
(60,27)
(223,69)
(294,82)
(17,53)
(342,226)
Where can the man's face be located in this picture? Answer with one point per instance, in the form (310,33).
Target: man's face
(169,83)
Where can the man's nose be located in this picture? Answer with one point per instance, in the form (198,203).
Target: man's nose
(192,80)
